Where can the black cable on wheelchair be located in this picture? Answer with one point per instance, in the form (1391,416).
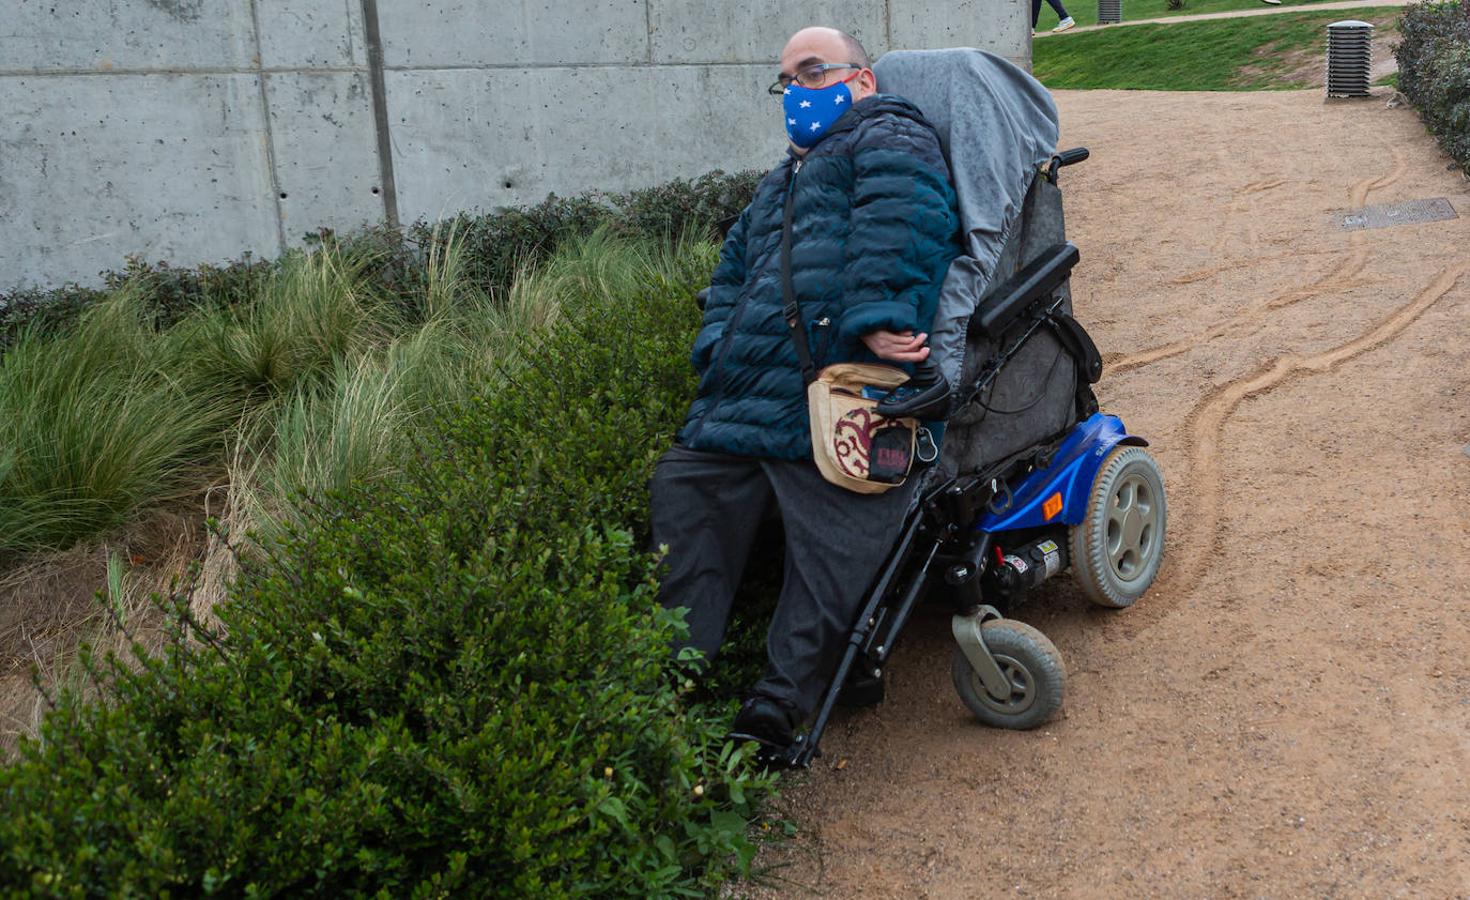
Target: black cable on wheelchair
(1041,395)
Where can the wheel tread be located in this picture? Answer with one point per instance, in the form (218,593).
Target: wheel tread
(1089,560)
(1009,637)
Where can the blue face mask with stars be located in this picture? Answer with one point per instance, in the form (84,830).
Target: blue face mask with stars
(811,111)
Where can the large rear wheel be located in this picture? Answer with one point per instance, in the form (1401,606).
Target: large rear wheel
(1117,549)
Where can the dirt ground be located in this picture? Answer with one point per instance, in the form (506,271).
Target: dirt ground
(1287,712)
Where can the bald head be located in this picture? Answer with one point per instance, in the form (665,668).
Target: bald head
(811,46)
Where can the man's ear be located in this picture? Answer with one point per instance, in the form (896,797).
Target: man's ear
(869,81)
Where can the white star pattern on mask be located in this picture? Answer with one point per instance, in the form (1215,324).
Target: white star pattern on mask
(806,104)
(840,98)
(790,121)
(787,91)
(816,125)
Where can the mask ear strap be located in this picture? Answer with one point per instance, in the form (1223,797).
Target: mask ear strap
(858,74)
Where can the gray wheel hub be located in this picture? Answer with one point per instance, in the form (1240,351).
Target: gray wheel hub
(1023,688)
(1132,526)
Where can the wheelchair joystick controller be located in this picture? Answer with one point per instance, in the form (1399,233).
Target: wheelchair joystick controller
(924,396)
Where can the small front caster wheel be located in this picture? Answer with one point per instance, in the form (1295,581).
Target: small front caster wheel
(1029,662)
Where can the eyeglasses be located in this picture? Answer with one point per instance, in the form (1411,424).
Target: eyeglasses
(810,77)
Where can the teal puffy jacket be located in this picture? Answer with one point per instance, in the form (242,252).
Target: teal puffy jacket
(873,232)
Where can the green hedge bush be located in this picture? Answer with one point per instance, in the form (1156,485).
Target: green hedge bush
(456,682)
(496,245)
(1434,72)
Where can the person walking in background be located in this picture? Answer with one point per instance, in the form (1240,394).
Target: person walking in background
(1061,11)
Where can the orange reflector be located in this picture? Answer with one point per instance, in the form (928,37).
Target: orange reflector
(1052,506)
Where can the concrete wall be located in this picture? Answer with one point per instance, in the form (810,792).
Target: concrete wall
(194,130)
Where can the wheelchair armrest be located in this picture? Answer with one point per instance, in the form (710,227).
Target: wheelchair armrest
(1037,280)
(701,298)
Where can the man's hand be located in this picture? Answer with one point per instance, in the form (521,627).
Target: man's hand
(898,346)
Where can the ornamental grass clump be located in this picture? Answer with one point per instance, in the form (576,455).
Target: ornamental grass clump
(315,310)
(454,681)
(96,426)
(316,382)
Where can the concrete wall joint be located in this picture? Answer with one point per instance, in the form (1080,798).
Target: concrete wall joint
(270,140)
(388,185)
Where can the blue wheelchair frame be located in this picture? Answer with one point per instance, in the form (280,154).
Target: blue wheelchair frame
(1069,478)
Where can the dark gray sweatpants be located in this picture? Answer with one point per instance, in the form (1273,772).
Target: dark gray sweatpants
(706,508)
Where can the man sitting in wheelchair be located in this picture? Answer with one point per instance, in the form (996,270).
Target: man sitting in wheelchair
(858,250)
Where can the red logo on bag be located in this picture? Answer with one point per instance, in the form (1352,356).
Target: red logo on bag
(852,441)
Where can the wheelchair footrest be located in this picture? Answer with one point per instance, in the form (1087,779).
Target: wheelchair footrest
(861,692)
(772,756)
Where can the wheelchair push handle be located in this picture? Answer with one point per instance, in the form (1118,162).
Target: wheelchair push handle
(1065,158)
(1072,157)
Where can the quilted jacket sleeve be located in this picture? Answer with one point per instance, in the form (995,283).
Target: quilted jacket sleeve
(904,225)
(725,285)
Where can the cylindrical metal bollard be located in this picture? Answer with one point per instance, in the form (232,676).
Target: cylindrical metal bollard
(1109,12)
(1349,58)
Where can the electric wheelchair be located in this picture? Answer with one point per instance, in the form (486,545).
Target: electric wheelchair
(1030,479)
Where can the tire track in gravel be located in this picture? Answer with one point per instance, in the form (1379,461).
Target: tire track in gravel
(1238,205)
(1344,277)
(1205,427)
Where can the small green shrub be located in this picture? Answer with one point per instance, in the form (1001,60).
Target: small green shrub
(1434,72)
(500,243)
(495,247)
(455,682)
(166,295)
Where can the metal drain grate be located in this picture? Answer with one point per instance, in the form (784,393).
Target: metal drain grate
(1349,58)
(1386,215)
(1109,12)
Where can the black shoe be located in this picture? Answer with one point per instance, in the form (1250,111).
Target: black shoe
(768,721)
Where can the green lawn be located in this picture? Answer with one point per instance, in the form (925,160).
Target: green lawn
(1280,52)
(1085,11)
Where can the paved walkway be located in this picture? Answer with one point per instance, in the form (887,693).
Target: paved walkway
(1237,13)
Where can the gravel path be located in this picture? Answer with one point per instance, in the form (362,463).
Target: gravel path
(1287,713)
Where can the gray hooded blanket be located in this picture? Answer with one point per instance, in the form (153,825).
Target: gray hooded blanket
(998,127)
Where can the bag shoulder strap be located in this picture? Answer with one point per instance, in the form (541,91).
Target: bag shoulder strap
(791,309)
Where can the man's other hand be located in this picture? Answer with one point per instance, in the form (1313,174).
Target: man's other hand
(898,346)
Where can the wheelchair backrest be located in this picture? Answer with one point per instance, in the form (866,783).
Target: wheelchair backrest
(998,127)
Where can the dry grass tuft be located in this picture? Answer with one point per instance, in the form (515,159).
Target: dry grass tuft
(99,594)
